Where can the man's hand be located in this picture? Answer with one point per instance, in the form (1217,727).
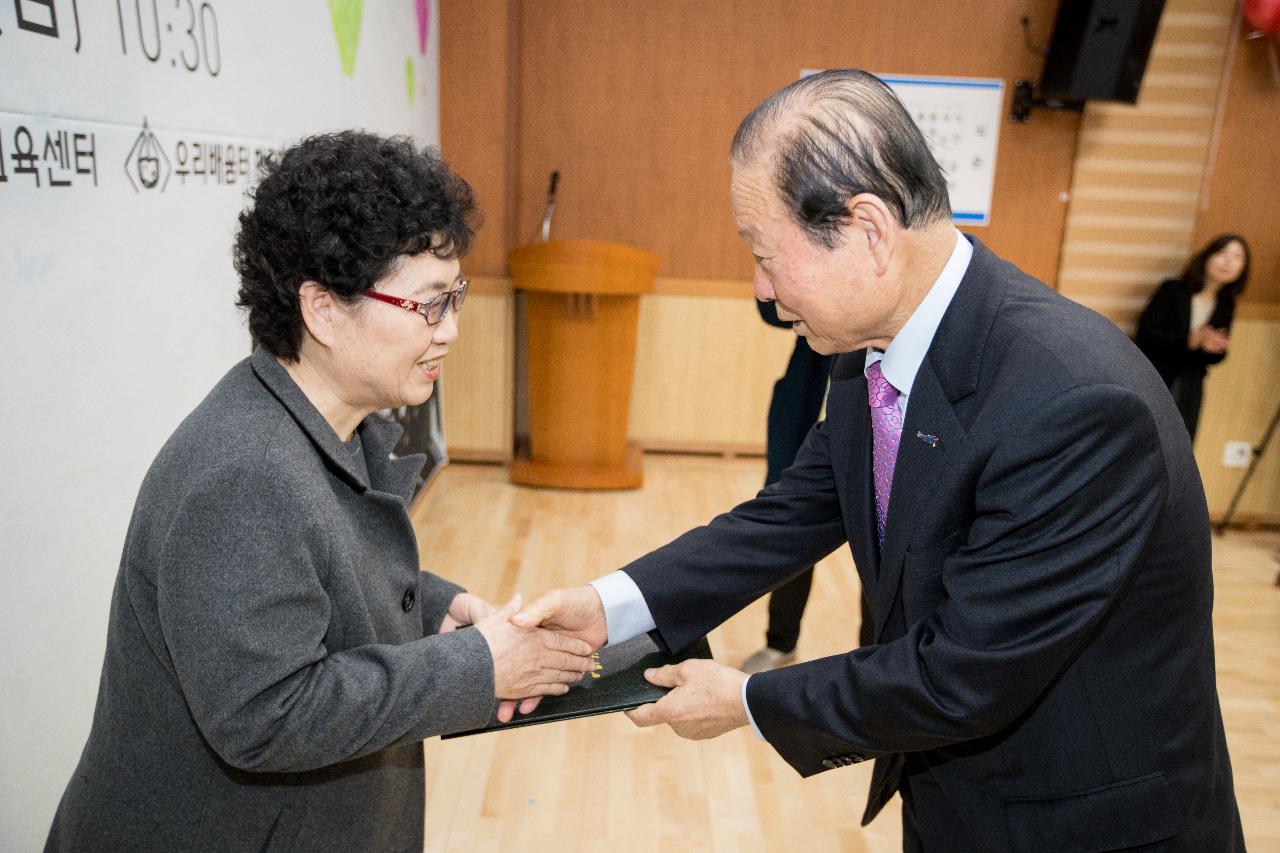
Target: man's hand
(575,612)
(531,662)
(465,609)
(706,701)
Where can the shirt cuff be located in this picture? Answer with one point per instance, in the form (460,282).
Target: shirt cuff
(626,615)
(747,708)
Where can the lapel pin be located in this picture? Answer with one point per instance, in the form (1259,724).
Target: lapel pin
(931,440)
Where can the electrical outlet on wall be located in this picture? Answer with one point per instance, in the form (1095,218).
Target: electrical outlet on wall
(1236,454)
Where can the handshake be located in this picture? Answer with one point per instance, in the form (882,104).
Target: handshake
(541,649)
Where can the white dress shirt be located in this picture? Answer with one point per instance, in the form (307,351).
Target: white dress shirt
(625,612)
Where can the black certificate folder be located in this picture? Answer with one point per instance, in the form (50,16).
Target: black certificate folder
(621,685)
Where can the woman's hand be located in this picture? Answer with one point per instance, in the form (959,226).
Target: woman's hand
(1208,339)
(531,662)
(1214,340)
(465,609)
(1195,338)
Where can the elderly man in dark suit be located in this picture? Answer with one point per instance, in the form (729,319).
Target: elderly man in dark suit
(1020,499)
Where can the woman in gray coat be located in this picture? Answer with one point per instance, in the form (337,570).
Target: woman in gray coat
(274,655)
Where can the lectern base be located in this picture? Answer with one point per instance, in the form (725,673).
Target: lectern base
(552,475)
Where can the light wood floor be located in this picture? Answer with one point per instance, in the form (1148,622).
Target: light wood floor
(602,784)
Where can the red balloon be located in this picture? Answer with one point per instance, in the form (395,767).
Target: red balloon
(1263,15)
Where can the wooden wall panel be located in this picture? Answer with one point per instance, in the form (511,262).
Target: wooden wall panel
(705,368)
(477,137)
(478,376)
(1242,192)
(1139,170)
(636,105)
(1240,397)
(1242,393)
(477,117)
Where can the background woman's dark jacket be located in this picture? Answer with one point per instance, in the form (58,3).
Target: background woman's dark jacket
(1163,329)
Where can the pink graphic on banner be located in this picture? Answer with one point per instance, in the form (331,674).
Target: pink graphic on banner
(423,8)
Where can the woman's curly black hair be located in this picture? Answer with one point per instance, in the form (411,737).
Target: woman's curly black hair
(340,209)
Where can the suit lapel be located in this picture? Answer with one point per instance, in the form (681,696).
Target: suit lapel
(948,374)
(847,403)
(929,435)
(862,507)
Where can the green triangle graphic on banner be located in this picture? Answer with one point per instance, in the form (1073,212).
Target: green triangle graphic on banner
(346,16)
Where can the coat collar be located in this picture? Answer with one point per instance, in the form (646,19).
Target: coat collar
(955,355)
(397,476)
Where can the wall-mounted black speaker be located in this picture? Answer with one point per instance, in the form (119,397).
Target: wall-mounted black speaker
(1100,49)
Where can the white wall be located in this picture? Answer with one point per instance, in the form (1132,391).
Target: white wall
(118,300)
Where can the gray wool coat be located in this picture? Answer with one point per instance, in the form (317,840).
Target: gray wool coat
(272,659)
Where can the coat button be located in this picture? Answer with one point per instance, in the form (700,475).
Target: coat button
(407,601)
(829,764)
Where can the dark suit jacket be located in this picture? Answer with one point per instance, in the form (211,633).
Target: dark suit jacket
(1165,323)
(272,659)
(1042,603)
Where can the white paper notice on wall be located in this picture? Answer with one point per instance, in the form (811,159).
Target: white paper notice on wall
(960,118)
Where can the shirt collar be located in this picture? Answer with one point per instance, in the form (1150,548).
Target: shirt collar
(906,352)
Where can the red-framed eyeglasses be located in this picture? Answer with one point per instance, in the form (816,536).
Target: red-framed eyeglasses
(433,310)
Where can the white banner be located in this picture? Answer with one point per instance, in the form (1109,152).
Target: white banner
(129,133)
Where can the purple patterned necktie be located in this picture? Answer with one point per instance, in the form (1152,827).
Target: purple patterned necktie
(886,430)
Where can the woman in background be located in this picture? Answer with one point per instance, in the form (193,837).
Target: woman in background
(1187,324)
(274,654)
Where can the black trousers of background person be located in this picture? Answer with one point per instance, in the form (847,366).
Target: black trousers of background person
(793,410)
(1187,389)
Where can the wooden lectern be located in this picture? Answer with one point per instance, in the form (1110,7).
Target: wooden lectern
(582,306)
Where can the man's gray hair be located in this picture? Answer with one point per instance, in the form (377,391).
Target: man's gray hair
(835,134)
